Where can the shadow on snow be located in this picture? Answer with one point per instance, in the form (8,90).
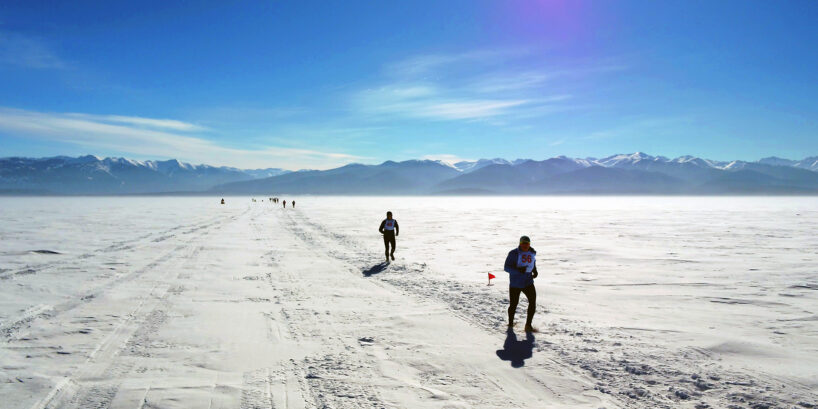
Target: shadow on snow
(377,268)
(516,351)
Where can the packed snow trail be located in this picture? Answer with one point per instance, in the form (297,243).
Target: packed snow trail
(256,306)
(647,371)
(247,312)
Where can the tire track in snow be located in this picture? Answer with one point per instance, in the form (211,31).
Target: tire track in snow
(95,383)
(431,379)
(326,378)
(9,329)
(415,280)
(146,239)
(632,372)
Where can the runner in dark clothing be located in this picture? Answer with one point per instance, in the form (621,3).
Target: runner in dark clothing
(521,266)
(285,203)
(389,229)
(293,204)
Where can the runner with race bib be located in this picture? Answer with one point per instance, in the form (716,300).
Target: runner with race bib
(521,266)
(389,229)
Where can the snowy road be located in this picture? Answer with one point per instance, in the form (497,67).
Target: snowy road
(254,306)
(245,311)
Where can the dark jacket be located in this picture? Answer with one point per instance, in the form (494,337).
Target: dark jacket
(517,279)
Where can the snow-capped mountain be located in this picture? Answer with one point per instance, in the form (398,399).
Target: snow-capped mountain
(810,163)
(408,177)
(471,166)
(623,173)
(94,175)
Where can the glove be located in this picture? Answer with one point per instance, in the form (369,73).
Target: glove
(534,274)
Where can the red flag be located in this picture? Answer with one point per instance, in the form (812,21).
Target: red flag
(491,276)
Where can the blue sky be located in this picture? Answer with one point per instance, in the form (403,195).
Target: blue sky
(316,84)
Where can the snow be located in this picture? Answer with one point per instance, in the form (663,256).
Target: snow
(471,166)
(735,165)
(448,164)
(810,163)
(643,302)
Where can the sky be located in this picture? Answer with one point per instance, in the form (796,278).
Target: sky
(318,84)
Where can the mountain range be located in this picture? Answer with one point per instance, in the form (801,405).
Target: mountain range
(636,173)
(93,175)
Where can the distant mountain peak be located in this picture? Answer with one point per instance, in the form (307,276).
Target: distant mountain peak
(90,174)
(637,172)
(776,161)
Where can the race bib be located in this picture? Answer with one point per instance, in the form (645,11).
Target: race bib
(526,259)
(389,225)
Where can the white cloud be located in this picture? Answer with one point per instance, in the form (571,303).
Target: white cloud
(511,81)
(28,52)
(431,103)
(497,87)
(170,124)
(420,65)
(535,78)
(134,136)
(466,109)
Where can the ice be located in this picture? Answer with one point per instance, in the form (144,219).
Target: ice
(183,302)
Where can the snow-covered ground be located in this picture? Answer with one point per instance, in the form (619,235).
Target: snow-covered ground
(181,302)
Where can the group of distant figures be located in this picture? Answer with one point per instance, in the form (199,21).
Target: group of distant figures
(272,200)
(276,200)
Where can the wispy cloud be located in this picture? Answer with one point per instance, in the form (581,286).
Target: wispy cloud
(28,52)
(536,78)
(149,123)
(150,138)
(494,86)
(431,104)
(511,81)
(420,65)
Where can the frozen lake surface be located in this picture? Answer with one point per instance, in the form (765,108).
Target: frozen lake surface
(181,302)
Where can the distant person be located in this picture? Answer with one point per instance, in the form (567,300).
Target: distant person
(389,229)
(285,204)
(293,204)
(222,201)
(521,266)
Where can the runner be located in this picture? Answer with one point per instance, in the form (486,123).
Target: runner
(285,204)
(389,229)
(293,204)
(521,266)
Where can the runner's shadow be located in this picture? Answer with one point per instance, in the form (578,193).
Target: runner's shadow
(377,268)
(516,351)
